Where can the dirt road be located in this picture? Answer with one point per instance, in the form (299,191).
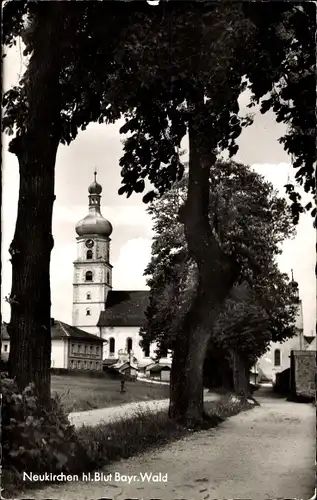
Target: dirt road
(265,453)
(95,417)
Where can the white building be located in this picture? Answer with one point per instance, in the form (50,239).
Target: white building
(114,315)
(277,358)
(72,348)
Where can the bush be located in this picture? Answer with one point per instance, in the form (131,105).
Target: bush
(35,438)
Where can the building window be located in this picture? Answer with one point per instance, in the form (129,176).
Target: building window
(88,312)
(91,349)
(73,347)
(108,277)
(79,365)
(90,365)
(85,349)
(97,350)
(277,357)
(6,347)
(72,364)
(97,366)
(79,348)
(112,345)
(88,296)
(85,365)
(147,350)
(129,344)
(89,254)
(88,276)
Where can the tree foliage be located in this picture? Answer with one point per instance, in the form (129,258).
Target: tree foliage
(143,63)
(249,216)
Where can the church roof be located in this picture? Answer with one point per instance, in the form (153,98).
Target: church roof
(124,308)
(60,330)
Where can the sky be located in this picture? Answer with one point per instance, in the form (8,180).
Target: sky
(100,146)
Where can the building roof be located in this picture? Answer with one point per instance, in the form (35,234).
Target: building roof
(312,346)
(110,361)
(158,368)
(124,308)
(60,330)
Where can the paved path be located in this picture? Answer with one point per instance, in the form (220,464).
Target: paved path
(261,454)
(94,417)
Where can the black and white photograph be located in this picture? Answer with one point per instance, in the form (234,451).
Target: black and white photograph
(158,250)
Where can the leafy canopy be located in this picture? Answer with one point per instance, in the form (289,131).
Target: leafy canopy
(146,64)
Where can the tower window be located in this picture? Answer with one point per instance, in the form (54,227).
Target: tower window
(89,254)
(88,312)
(111,345)
(108,277)
(277,357)
(129,344)
(88,276)
(88,296)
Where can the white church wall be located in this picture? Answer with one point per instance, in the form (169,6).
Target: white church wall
(121,334)
(266,362)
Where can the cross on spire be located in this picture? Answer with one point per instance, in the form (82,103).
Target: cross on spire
(292,274)
(95,174)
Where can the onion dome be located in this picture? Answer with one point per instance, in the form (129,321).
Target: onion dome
(94,223)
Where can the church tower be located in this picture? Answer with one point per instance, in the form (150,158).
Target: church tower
(92,268)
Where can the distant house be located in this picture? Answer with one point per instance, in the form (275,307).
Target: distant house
(126,364)
(158,371)
(72,348)
(278,357)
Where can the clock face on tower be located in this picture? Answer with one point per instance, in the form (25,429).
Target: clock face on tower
(89,243)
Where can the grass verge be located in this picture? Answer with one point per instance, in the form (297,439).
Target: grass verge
(105,443)
(85,393)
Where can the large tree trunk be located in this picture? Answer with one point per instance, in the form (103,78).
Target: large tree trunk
(36,148)
(186,385)
(217,274)
(241,378)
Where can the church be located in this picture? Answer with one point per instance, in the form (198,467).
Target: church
(114,315)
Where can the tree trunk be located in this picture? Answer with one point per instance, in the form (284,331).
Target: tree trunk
(217,274)
(186,385)
(241,379)
(36,148)
(226,375)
